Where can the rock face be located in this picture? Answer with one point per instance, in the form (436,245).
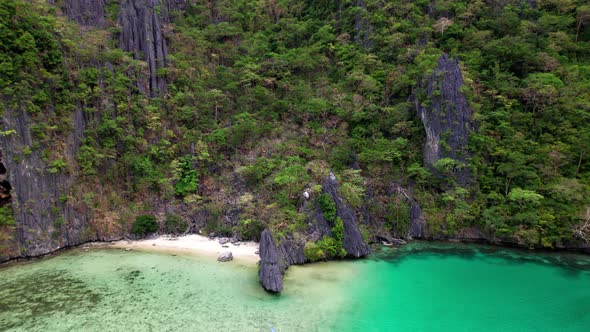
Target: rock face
(276,258)
(225,256)
(44,223)
(291,253)
(352,240)
(270,273)
(141,34)
(417,222)
(86,12)
(446,116)
(362,27)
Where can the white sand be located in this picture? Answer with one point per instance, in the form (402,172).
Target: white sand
(193,244)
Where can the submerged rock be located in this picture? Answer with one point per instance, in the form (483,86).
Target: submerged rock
(270,270)
(225,256)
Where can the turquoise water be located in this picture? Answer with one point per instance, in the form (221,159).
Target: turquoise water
(457,287)
(420,287)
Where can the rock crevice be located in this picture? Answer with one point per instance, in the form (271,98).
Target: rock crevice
(5,186)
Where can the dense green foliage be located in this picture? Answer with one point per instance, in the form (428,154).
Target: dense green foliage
(174,224)
(328,207)
(6,216)
(250,229)
(144,224)
(265,97)
(329,247)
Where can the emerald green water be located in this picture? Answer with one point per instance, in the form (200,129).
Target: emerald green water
(420,287)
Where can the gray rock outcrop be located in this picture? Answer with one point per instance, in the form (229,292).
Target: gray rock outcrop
(86,12)
(225,256)
(417,228)
(141,34)
(44,222)
(417,222)
(446,116)
(276,258)
(352,241)
(270,272)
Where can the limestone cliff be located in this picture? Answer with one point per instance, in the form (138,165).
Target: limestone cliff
(447,118)
(141,34)
(86,12)
(276,258)
(45,218)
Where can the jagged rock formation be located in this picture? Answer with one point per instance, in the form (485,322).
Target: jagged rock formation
(141,31)
(270,272)
(446,116)
(291,253)
(86,12)
(352,240)
(275,259)
(141,34)
(44,222)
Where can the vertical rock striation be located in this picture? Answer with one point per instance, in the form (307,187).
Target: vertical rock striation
(86,12)
(446,116)
(270,273)
(141,34)
(44,222)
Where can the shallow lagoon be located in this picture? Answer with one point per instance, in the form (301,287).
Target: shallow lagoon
(420,287)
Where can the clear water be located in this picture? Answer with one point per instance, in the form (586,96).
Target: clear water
(458,287)
(421,287)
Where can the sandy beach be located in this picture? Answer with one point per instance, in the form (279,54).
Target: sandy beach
(193,244)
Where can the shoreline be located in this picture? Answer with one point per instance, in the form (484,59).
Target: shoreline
(192,244)
(122,243)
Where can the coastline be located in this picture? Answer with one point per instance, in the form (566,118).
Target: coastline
(192,244)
